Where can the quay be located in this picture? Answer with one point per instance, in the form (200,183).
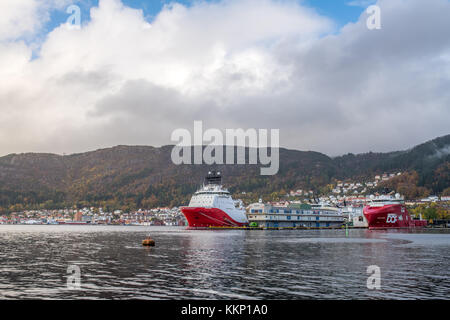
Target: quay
(281,228)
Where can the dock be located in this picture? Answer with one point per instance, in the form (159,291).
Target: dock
(281,228)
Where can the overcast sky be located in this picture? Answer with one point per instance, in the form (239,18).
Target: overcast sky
(137,70)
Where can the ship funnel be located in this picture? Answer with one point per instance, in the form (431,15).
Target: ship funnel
(213,177)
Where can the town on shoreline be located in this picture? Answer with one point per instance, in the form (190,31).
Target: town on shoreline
(349,196)
(431,208)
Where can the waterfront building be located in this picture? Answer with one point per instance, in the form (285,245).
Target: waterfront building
(78,216)
(354,214)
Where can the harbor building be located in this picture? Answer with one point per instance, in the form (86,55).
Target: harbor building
(355,216)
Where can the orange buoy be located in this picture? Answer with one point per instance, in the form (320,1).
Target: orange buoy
(148,242)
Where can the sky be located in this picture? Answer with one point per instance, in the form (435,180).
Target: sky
(135,71)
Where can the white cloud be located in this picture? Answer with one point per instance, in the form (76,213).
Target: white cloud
(361,3)
(248,63)
(24,18)
(18,18)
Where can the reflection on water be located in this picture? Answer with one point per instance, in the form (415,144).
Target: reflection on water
(230,264)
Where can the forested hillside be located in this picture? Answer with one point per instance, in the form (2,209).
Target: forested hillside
(143,177)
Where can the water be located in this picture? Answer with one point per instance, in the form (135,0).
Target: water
(220,264)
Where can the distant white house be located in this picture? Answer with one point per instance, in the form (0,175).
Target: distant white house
(430,199)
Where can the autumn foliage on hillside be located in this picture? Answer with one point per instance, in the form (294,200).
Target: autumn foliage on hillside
(407,185)
(132,177)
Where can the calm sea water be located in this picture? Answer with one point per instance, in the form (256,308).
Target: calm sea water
(216,264)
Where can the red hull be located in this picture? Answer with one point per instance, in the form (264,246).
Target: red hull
(198,217)
(391,216)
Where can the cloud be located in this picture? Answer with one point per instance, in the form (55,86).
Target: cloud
(24,18)
(250,64)
(440,153)
(18,18)
(361,3)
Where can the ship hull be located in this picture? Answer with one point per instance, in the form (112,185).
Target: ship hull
(393,216)
(199,217)
(73,223)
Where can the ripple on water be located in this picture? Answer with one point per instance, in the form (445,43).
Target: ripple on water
(332,240)
(230,264)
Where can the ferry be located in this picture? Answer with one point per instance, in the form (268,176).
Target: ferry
(212,206)
(320,215)
(71,222)
(387,212)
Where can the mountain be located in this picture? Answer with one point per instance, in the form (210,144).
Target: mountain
(140,176)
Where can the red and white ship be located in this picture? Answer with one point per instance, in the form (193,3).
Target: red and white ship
(387,212)
(212,206)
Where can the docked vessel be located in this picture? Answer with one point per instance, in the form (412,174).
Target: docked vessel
(295,215)
(387,212)
(212,206)
(73,222)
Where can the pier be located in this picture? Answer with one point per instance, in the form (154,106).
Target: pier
(281,228)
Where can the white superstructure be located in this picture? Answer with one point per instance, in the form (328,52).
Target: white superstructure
(215,196)
(309,216)
(385,199)
(212,206)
